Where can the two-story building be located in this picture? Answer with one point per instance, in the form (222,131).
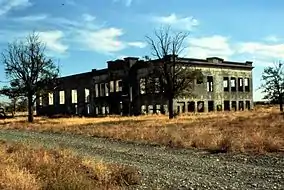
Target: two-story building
(120,89)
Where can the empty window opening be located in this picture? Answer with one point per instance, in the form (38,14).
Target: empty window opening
(226,84)
(74,96)
(158,109)
(234,105)
(143,109)
(97,90)
(219,107)
(50,98)
(165,108)
(247,84)
(200,106)
(157,85)
(40,100)
(209,83)
(107,89)
(62,97)
(118,85)
(210,106)
(76,109)
(191,107)
(248,105)
(240,84)
(102,89)
(103,110)
(227,106)
(241,105)
(233,84)
(111,86)
(87,95)
(199,80)
(142,86)
(88,109)
(150,109)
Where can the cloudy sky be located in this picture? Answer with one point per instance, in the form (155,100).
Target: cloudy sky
(84,34)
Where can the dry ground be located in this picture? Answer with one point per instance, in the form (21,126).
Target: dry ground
(25,168)
(261,130)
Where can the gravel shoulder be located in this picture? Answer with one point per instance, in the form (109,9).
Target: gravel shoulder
(165,168)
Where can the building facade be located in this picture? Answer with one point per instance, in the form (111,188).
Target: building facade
(120,89)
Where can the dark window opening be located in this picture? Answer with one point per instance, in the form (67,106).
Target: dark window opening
(247,84)
(191,107)
(181,107)
(210,106)
(248,105)
(226,84)
(199,80)
(233,84)
(209,83)
(234,105)
(241,105)
(227,106)
(200,106)
(240,84)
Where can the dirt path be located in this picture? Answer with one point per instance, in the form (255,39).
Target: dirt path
(164,168)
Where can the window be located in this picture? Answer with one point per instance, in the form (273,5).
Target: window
(102,89)
(209,83)
(150,109)
(118,85)
(226,84)
(50,98)
(233,84)
(143,109)
(97,90)
(74,96)
(158,108)
(157,85)
(142,85)
(199,80)
(111,88)
(40,100)
(87,95)
(240,85)
(247,84)
(107,89)
(61,97)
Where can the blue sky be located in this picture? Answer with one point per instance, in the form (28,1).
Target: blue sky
(84,34)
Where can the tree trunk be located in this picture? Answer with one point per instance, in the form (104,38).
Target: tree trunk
(171,108)
(30,109)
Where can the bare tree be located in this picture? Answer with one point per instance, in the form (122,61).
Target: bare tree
(176,79)
(273,86)
(30,72)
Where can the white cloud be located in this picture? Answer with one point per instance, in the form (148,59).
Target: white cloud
(272,38)
(32,18)
(137,44)
(262,50)
(181,23)
(104,40)
(203,47)
(8,5)
(127,2)
(53,42)
(88,17)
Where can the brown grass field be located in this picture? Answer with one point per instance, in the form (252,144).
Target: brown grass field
(260,130)
(24,168)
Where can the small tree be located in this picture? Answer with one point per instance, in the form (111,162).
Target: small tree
(175,78)
(30,72)
(273,86)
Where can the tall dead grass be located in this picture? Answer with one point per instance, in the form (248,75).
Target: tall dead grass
(261,130)
(24,168)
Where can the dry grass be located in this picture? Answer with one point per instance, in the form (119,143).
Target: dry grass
(261,130)
(24,168)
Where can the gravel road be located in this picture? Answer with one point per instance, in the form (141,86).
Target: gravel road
(165,168)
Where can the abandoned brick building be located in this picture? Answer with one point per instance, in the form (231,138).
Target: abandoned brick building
(118,89)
